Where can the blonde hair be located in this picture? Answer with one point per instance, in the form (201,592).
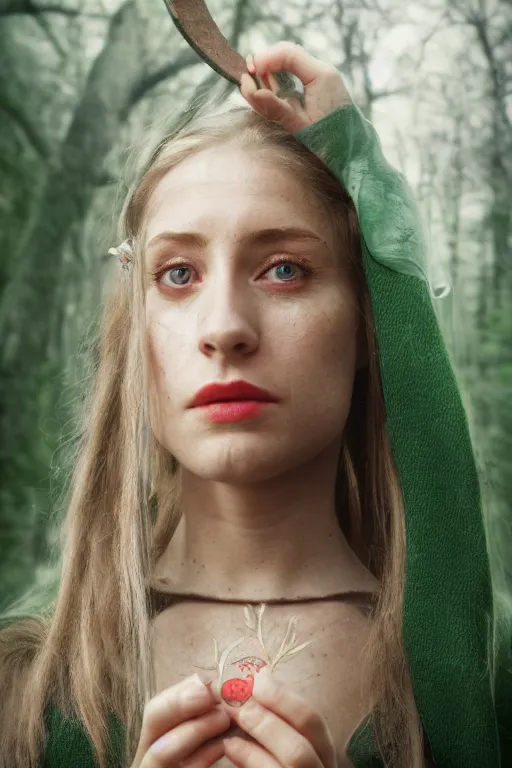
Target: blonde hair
(87,653)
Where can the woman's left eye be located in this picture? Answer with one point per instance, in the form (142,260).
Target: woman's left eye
(287,265)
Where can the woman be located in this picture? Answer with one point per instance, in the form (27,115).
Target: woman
(316,552)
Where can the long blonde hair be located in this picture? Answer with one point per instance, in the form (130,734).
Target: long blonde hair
(87,653)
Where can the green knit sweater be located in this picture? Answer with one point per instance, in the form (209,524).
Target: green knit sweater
(465,709)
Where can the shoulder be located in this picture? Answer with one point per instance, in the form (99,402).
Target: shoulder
(68,742)
(66,738)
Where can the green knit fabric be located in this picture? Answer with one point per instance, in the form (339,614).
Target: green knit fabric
(448,611)
(448,600)
(69,747)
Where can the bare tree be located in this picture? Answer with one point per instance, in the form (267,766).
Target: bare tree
(31,305)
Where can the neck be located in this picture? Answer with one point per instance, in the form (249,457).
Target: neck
(273,538)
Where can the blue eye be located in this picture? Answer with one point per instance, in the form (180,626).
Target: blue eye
(176,269)
(286,265)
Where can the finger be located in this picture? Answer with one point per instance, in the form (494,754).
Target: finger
(183,740)
(263,100)
(247,754)
(206,755)
(290,57)
(270,106)
(247,86)
(266,78)
(286,744)
(173,706)
(296,711)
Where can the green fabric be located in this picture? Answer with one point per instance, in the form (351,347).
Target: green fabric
(68,745)
(448,599)
(448,611)
(503,701)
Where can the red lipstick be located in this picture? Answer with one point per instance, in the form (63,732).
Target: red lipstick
(233,401)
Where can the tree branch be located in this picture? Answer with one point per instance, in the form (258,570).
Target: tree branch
(36,141)
(386,93)
(495,71)
(189,58)
(45,25)
(29,8)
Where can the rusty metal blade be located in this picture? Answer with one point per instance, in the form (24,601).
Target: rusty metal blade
(195,23)
(197,26)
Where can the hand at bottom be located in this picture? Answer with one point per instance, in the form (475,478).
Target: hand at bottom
(286,730)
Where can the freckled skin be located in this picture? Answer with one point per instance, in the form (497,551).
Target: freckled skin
(248,487)
(289,334)
(313,649)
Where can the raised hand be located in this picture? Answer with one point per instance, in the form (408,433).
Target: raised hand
(324,89)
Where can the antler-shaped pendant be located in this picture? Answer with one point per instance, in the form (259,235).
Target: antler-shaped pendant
(196,25)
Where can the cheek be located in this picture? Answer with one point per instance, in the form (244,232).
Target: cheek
(318,360)
(318,345)
(162,340)
(155,386)
(160,352)
(156,369)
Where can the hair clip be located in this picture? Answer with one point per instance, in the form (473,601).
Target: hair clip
(124,253)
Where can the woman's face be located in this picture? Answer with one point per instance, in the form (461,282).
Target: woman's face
(227,305)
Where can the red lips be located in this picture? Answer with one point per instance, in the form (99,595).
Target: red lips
(232,390)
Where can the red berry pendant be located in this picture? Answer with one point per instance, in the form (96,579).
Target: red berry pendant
(237,690)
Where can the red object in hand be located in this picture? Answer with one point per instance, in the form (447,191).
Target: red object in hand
(237,690)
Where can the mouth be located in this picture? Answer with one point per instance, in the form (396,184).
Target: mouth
(233,410)
(249,398)
(230,392)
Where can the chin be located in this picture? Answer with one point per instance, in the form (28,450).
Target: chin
(233,473)
(235,463)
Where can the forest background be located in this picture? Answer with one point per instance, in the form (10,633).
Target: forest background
(81,83)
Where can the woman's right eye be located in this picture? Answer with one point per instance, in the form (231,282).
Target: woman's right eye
(168,269)
(176,269)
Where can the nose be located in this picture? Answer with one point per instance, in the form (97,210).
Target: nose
(228,322)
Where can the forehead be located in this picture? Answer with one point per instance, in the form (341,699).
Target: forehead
(230,184)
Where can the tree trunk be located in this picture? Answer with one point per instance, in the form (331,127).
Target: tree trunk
(29,375)
(31,364)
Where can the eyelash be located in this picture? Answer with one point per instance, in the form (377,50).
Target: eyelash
(304,265)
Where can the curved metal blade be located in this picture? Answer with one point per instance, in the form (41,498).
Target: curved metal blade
(196,25)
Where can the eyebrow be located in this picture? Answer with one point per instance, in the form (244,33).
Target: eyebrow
(261,237)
